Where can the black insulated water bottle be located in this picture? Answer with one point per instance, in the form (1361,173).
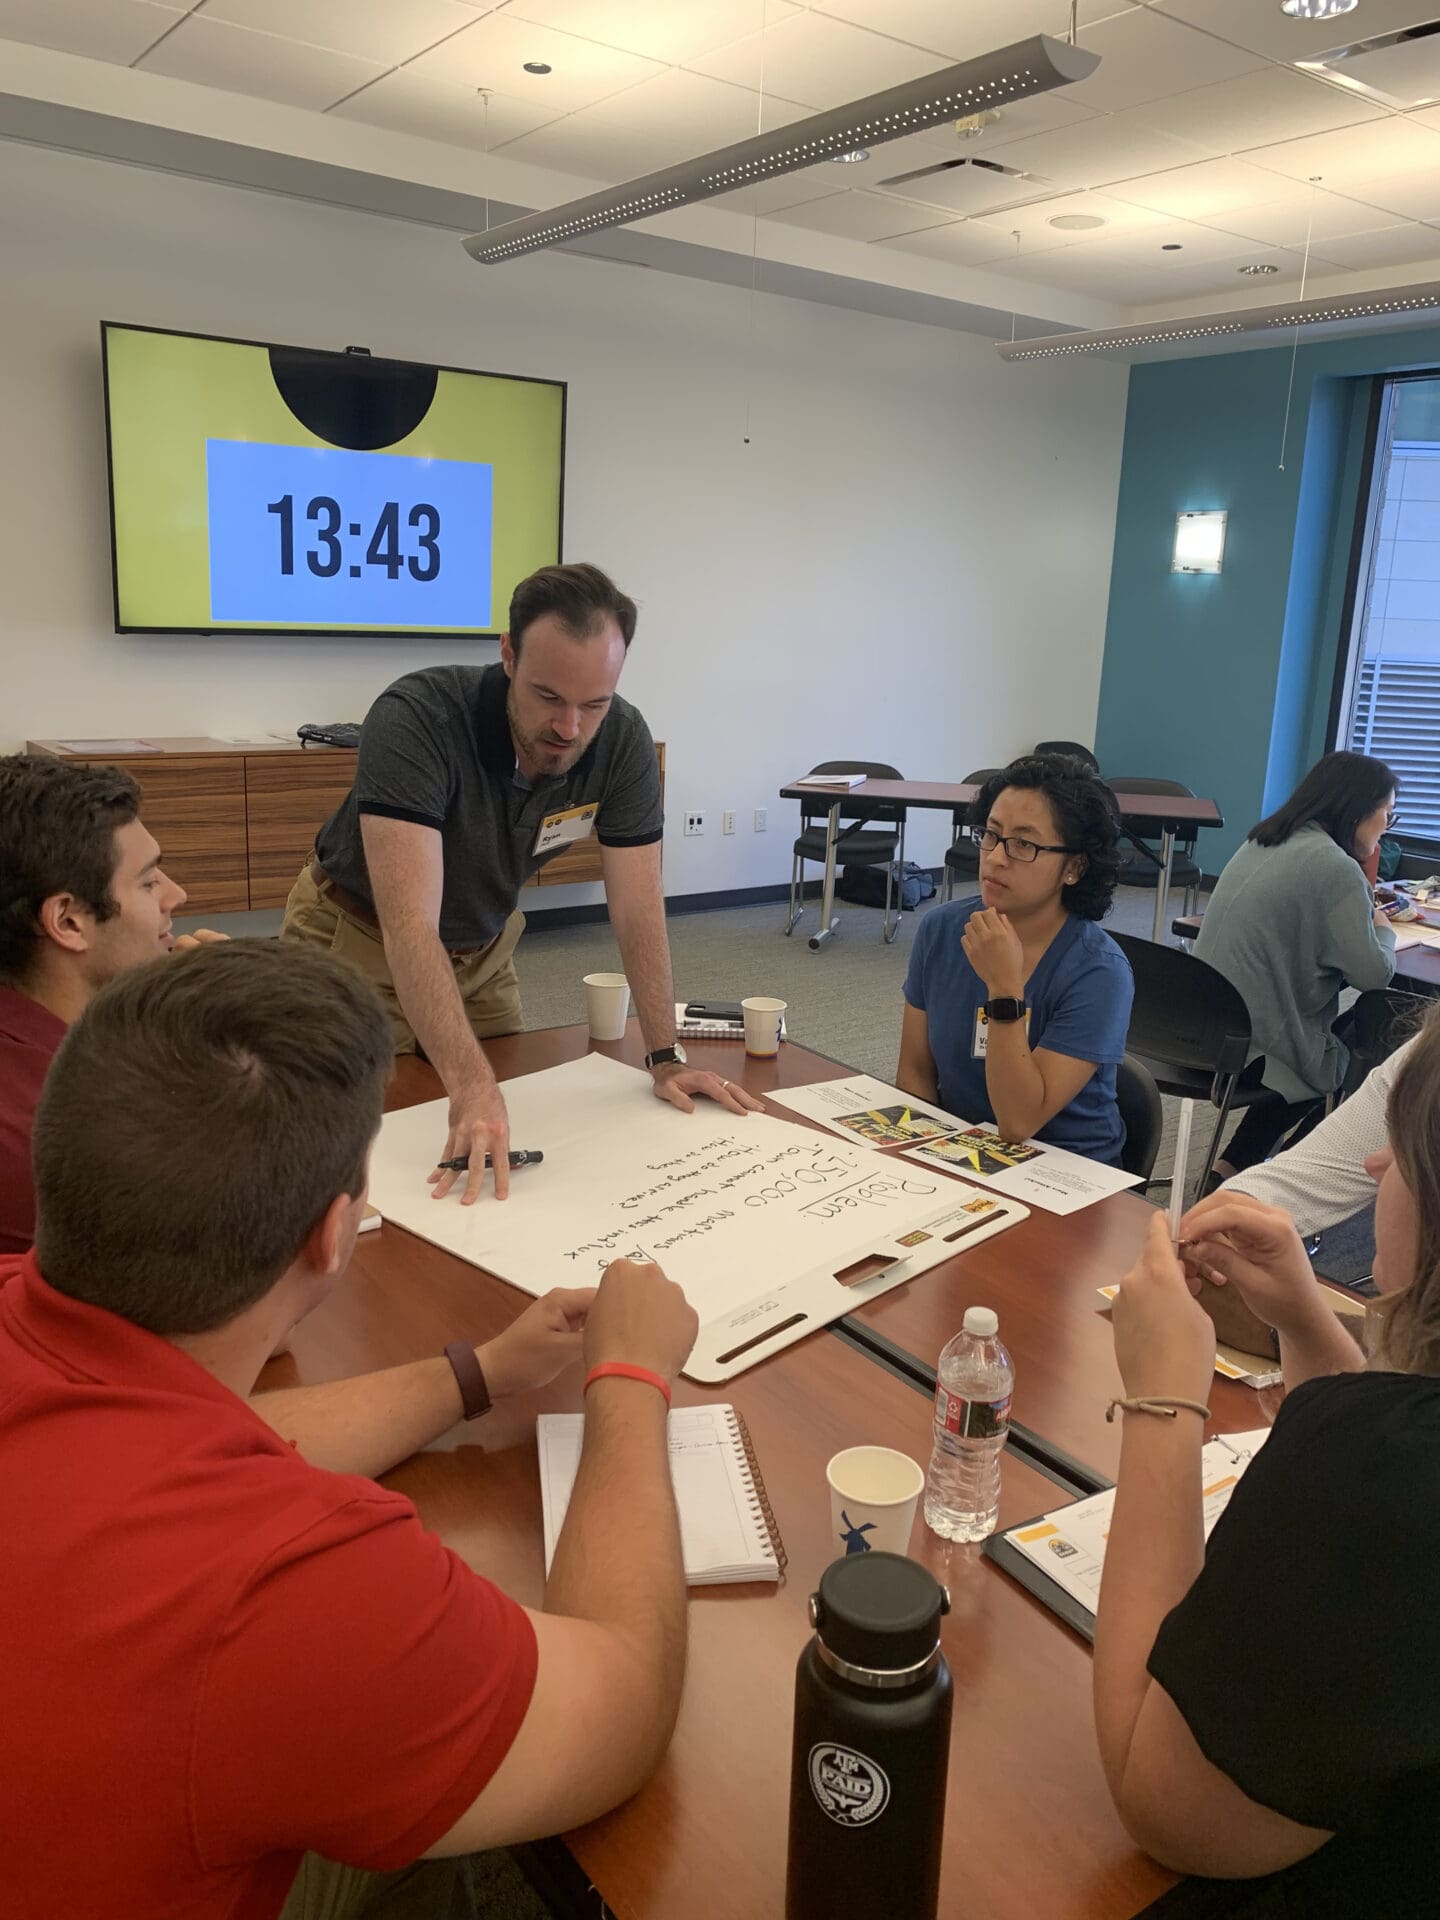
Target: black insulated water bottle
(871,1747)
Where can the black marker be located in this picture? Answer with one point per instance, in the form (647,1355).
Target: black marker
(461,1164)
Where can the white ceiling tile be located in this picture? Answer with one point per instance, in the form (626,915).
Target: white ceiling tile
(115,30)
(1095,152)
(1130,275)
(961,243)
(216,55)
(860,216)
(1033,222)
(962,28)
(1261,27)
(671,30)
(1395,145)
(408,102)
(1413,196)
(1145,57)
(1285,223)
(1209,188)
(370,29)
(823,62)
(790,190)
(670,118)
(1257,109)
(494,51)
(1410,244)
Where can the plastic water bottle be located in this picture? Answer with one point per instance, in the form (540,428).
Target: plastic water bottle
(974,1382)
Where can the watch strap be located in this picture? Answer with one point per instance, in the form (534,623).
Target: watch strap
(470,1376)
(663,1056)
(1004,1007)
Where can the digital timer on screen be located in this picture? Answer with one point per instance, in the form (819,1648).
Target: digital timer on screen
(279,489)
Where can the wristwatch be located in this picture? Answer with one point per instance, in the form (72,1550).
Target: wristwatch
(469,1377)
(662,1056)
(1005,1009)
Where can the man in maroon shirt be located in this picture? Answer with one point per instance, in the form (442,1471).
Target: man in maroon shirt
(82,897)
(227,1654)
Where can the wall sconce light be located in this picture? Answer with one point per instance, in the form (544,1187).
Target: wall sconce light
(1199,542)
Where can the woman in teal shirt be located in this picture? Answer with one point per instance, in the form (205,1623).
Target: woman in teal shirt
(1016,1004)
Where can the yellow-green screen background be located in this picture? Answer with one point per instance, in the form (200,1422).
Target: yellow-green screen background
(170,393)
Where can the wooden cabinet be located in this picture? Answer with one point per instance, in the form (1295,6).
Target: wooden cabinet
(236,821)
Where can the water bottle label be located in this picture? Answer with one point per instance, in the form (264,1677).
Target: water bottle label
(851,1789)
(971,1419)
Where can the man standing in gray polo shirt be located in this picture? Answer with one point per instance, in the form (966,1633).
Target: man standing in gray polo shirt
(468,780)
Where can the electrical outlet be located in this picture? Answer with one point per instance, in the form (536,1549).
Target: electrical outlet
(727,821)
(761,820)
(694,823)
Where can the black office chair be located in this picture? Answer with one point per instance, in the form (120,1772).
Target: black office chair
(858,843)
(1138,1099)
(1072,747)
(1191,1029)
(962,856)
(1142,862)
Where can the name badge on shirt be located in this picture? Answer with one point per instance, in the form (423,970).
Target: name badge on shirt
(982,1031)
(563,829)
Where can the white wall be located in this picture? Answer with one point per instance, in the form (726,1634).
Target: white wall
(909,561)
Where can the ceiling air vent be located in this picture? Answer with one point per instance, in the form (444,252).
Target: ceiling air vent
(1400,69)
(969,185)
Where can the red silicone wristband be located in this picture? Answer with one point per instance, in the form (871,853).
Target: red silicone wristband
(622,1370)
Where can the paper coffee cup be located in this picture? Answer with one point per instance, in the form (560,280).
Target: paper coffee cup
(762,1027)
(607,1005)
(873,1495)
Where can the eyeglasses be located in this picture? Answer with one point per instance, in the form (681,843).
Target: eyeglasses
(1025,850)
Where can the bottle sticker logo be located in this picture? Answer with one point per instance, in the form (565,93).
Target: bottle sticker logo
(971,1419)
(852,1790)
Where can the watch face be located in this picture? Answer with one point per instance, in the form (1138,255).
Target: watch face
(680,1054)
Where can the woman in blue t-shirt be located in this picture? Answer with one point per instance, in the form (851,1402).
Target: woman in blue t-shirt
(1016,1004)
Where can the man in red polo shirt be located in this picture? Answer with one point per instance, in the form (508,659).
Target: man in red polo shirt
(224,1656)
(82,898)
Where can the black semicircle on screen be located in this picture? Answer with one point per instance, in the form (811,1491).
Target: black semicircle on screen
(351,400)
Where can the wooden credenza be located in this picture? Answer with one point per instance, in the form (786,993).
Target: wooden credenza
(237,820)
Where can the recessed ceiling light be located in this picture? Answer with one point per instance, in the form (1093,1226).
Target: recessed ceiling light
(1076,222)
(1317,9)
(537,66)
(1262,266)
(852,159)
(1171,246)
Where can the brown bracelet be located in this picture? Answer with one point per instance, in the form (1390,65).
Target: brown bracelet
(470,1377)
(1156,1403)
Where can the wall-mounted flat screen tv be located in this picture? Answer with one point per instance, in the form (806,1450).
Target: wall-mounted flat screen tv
(269,489)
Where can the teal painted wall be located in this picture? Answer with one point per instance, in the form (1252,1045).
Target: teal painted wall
(1223,681)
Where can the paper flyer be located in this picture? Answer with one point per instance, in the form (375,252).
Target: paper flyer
(1041,1176)
(864,1109)
(1069,1543)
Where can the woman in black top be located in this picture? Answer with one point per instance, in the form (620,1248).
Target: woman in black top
(1270,1706)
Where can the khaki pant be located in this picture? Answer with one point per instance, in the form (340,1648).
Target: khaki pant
(430,1890)
(486,978)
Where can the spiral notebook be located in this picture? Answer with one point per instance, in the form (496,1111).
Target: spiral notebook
(727,1531)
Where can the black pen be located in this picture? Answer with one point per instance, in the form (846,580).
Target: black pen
(461,1164)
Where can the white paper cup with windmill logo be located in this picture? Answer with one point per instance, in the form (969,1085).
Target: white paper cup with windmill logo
(874,1492)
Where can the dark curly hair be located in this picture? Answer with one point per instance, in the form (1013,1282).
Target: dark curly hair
(57,835)
(1086,814)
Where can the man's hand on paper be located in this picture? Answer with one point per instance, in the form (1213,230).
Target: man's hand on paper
(1231,1239)
(993,949)
(1164,1342)
(640,1317)
(479,1125)
(537,1344)
(678,1084)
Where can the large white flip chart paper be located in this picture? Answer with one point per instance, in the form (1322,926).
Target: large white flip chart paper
(753,1216)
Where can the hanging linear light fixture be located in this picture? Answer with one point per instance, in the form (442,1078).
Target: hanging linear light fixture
(1013,73)
(1318,312)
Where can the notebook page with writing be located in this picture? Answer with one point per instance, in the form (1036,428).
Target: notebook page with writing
(723,1531)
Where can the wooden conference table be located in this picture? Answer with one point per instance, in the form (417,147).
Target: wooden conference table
(1030,1828)
(1143,813)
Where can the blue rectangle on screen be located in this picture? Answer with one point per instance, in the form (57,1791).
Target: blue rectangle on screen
(326,537)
